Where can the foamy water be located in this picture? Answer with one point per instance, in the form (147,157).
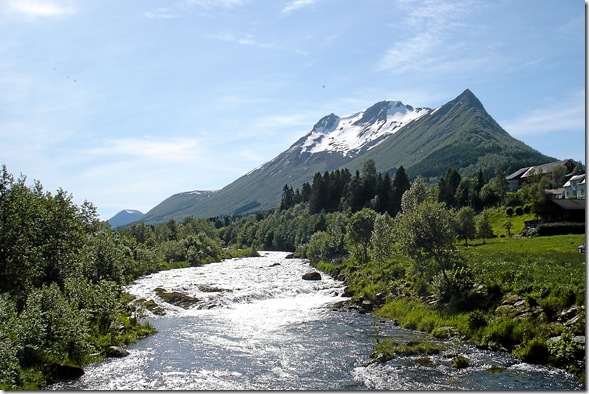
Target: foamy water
(269,329)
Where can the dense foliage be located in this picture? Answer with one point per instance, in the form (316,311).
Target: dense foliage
(61,277)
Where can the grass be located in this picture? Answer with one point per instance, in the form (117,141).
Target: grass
(538,267)
(497,217)
(389,349)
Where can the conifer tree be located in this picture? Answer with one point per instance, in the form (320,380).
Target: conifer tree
(400,185)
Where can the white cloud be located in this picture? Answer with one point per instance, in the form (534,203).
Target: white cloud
(40,7)
(426,38)
(214,3)
(564,116)
(249,40)
(296,4)
(176,149)
(301,120)
(160,13)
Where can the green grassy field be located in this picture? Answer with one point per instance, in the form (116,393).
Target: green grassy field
(544,268)
(497,217)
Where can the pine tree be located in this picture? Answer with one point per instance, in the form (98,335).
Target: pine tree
(400,185)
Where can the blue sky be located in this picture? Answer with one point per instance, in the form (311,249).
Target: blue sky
(124,103)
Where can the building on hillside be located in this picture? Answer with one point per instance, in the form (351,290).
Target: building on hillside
(554,194)
(563,210)
(525,174)
(575,187)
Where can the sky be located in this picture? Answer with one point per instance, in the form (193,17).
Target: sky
(125,103)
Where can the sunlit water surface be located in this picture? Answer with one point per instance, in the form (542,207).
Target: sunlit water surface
(271,330)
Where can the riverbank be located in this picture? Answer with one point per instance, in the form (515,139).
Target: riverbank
(526,297)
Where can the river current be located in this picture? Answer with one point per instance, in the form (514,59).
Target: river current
(263,327)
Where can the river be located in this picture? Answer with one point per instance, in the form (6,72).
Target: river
(264,328)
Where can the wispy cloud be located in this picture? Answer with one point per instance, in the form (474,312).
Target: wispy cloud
(563,116)
(214,3)
(184,6)
(426,35)
(160,13)
(249,40)
(175,149)
(296,4)
(34,8)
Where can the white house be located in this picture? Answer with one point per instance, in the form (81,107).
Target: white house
(575,187)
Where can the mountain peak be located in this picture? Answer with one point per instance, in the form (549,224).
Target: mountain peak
(326,124)
(468,98)
(459,134)
(350,134)
(124,217)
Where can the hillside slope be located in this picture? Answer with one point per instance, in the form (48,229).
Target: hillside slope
(459,134)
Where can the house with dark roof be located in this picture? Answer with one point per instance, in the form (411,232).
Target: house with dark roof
(563,210)
(526,174)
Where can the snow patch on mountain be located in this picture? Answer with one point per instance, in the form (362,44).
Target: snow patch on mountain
(348,134)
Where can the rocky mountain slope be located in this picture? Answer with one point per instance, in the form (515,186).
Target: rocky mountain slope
(459,134)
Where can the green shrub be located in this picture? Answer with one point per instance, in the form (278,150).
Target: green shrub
(460,362)
(476,320)
(389,349)
(534,351)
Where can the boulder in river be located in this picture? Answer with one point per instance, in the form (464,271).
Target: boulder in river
(177,298)
(57,372)
(313,275)
(116,351)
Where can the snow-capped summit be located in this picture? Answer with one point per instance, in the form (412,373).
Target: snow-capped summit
(349,134)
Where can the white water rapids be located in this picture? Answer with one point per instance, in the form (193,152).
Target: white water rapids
(268,329)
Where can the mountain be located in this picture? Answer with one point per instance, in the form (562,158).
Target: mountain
(459,134)
(125,217)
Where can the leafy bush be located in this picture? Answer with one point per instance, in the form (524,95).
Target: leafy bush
(534,351)
(454,287)
(322,247)
(566,349)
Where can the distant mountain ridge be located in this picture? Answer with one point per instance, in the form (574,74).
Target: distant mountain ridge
(126,216)
(459,134)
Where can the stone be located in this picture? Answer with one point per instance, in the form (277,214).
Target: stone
(380,298)
(367,306)
(177,298)
(116,351)
(569,313)
(573,321)
(511,299)
(313,275)
(460,362)
(345,306)
(58,372)
(347,292)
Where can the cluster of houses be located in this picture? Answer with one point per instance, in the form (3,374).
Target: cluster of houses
(566,203)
